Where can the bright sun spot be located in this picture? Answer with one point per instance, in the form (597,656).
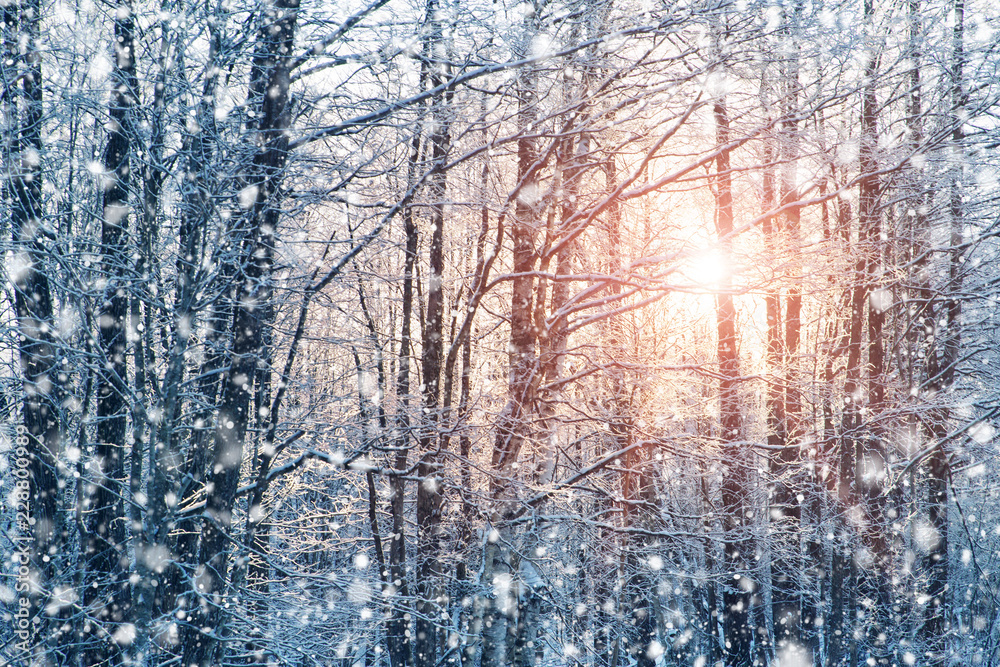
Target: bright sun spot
(708,270)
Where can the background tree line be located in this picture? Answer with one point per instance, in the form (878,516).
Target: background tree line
(420,333)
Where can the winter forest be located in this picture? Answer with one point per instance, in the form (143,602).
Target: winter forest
(475,333)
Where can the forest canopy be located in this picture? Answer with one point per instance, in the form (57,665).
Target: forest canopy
(434,332)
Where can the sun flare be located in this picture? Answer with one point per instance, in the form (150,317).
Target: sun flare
(709,270)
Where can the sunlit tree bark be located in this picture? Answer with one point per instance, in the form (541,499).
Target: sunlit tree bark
(737,593)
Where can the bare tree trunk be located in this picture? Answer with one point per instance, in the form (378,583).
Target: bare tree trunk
(40,358)
(841,454)
(474,618)
(150,589)
(936,625)
(787,589)
(784,587)
(710,601)
(871,444)
(430,496)
(276,42)
(106,594)
(512,426)
(196,214)
(397,636)
(737,594)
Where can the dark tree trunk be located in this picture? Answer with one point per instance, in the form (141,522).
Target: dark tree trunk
(106,594)
(843,590)
(276,43)
(512,427)
(871,446)
(710,598)
(148,591)
(430,495)
(43,374)
(735,485)
(936,623)
(472,630)
(397,636)
(784,509)
(179,449)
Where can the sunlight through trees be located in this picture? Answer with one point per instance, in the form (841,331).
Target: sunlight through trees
(408,333)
